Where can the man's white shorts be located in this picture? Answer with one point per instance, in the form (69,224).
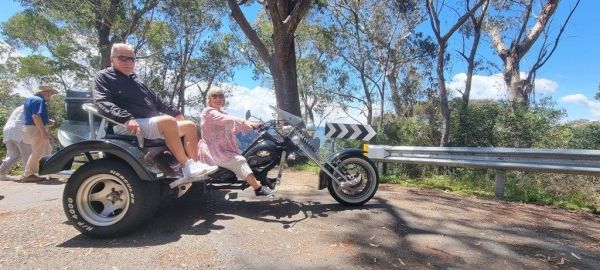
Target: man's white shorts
(148,126)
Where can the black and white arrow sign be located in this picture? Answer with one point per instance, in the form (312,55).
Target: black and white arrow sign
(349,131)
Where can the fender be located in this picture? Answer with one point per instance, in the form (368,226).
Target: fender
(335,159)
(132,155)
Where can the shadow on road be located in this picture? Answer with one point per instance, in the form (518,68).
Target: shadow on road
(413,229)
(198,214)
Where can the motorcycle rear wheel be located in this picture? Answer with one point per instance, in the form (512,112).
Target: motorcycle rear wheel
(363,177)
(105,198)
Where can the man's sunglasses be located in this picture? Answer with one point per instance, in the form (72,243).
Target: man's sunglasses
(123,58)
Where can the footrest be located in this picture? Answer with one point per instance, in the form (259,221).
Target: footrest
(182,181)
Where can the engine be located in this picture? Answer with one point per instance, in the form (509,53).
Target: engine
(262,154)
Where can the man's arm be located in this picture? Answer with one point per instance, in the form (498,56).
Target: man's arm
(103,98)
(39,124)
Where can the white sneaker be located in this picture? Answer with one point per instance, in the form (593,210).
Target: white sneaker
(196,169)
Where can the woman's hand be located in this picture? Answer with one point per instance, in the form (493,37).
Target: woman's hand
(253,125)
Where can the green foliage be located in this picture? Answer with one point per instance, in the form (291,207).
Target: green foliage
(307,166)
(524,127)
(480,120)
(493,124)
(582,136)
(405,131)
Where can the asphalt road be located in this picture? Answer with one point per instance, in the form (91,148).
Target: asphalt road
(302,228)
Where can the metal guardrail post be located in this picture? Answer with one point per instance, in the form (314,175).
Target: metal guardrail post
(500,180)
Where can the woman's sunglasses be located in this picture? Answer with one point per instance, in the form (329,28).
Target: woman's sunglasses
(217,96)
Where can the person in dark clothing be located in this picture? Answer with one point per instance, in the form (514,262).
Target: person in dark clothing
(124,98)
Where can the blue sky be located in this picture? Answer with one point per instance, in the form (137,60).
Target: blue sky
(571,76)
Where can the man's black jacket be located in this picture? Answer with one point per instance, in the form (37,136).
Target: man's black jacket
(121,97)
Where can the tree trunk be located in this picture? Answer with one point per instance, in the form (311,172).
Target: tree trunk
(443,95)
(104,28)
(284,74)
(285,17)
(396,100)
(517,94)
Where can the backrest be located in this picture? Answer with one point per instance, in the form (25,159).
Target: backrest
(73,102)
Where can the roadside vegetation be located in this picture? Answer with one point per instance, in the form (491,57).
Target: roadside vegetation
(492,124)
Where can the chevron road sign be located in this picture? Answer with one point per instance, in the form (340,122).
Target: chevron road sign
(349,131)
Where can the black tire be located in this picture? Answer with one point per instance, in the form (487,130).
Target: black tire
(359,168)
(102,183)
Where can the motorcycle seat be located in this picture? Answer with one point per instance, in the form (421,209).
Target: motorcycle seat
(133,140)
(105,130)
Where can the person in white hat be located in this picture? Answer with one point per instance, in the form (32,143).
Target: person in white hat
(12,137)
(35,131)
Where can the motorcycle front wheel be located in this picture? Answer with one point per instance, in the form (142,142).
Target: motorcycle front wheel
(362,181)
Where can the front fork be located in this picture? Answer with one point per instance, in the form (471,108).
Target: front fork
(321,162)
(280,170)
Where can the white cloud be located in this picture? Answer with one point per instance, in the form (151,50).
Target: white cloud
(257,100)
(241,99)
(579,99)
(493,86)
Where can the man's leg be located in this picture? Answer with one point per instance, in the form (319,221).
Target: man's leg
(187,130)
(12,156)
(167,126)
(38,149)
(25,151)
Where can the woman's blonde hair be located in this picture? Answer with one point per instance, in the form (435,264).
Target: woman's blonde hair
(211,92)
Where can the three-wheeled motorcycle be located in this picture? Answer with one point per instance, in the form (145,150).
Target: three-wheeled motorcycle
(116,182)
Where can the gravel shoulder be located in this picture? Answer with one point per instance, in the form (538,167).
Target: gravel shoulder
(302,228)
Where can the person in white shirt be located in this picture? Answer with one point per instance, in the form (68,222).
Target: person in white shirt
(15,146)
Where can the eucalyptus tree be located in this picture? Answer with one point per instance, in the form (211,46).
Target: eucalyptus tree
(110,20)
(185,43)
(532,22)
(314,80)
(55,55)
(434,10)
(376,40)
(280,58)
(471,30)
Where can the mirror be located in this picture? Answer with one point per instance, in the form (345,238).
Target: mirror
(248,114)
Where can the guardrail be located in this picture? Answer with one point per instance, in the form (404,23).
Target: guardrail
(568,161)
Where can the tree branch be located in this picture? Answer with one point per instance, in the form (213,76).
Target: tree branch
(241,20)
(539,26)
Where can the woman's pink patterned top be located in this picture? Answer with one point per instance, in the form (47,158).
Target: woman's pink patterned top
(219,144)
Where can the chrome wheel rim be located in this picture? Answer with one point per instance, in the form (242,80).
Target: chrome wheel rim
(103,199)
(360,178)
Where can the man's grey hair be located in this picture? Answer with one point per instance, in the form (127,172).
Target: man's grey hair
(212,91)
(117,46)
